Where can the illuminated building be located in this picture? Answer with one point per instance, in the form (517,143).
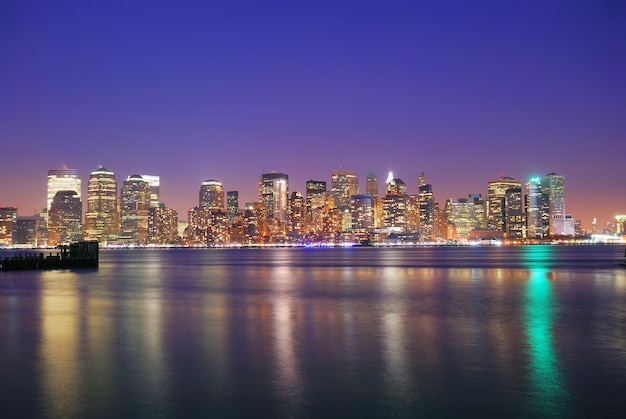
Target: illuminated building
(394,204)
(296,213)
(362,216)
(273,193)
(212,194)
(65,218)
(466,214)
(344,184)
(30,231)
(560,223)
(534,209)
(8,216)
(162,225)
(412,214)
(208,227)
(496,202)
(155,184)
(427,208)
(315,199)
(371,185)
(135,205)
(514,213)
(620,224)
(63,179)
(102,220)
(232,205)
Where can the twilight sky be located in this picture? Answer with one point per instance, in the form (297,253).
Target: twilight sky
(192,90)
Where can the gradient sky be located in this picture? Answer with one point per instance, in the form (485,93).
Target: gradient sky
(463,91)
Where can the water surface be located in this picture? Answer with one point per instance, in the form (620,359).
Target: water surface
(531,331)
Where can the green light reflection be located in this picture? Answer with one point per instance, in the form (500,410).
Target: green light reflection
(549,396)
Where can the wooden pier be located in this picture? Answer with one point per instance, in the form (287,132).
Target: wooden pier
(75,255)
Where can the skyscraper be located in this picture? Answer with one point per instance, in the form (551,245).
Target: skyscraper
(534,209)
(297,211)
(344,185)
(394,204)
(8,216)
(496,198)
(466,214)
(371,185)
(102,220)
(62,179)
(427,208)
(135,206)
(554,186)
(212,194)
(232,205)
(65,218)
(273,194)
(162,225)
(155,184)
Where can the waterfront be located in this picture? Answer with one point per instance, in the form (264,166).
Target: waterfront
(531,331)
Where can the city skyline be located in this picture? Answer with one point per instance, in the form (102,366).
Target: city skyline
(460,92)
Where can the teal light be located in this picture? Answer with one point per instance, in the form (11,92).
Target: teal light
(549,393)
(535,179)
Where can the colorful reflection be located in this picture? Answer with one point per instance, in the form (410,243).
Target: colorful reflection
(548,393)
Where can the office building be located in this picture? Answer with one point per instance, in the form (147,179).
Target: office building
(155,184)
(8,216)
(296,214)
(162,225)
(102,220)
(371,185)
(232,205)
(427,208)
(496,201)
(465,214)
(135,206)
(344,184)
(65,218)
(273,194)
(30,231)
(63,179)
(212,195)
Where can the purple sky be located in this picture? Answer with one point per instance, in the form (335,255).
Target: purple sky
(228,90)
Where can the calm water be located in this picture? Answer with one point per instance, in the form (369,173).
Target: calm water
(536,331)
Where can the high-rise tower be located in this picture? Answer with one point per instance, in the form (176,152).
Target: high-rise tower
(135,206)
(496,201)
(212,194)
(102,220)
(371,185)
(62,179)
(273,193)
(65,218)
(344,185)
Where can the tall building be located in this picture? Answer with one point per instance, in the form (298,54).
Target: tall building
(135,206)
(534,209)
(514,222)
(315,200)
(65,218)
(30,231)
(273,194)
(212,194)
(102,220)
(232,205)
(344,184)
(394,204)
(155,184)
(371,185)
(297,211)
(466,214)
(8,216)
(427,208)
(162,225)
(63,179)
(362,215)
(496,198)
(554,186)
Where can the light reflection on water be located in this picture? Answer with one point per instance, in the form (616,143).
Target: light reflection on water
(535,331)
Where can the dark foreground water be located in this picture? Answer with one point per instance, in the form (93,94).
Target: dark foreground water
(537,331)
